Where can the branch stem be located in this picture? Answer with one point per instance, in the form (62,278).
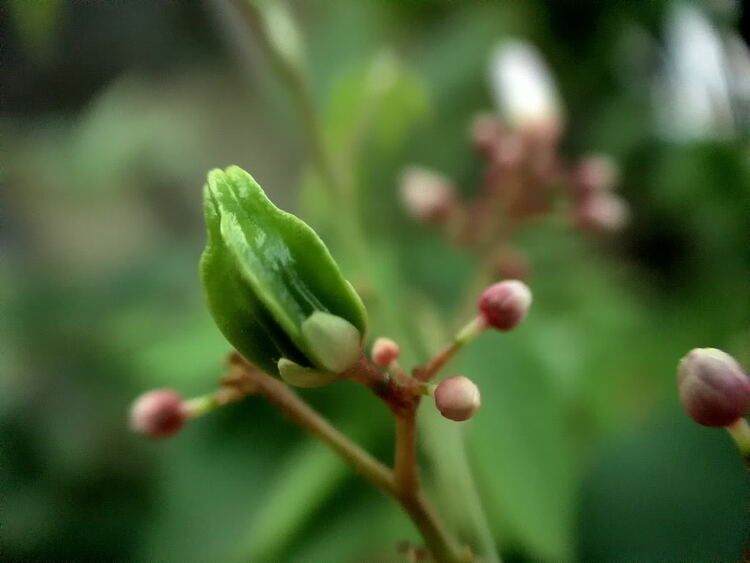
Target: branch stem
(402,484)
(405,458)
(470,331)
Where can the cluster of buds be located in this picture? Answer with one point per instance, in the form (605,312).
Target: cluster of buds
(524,171)
(596,207)
(502,306)
(524,175)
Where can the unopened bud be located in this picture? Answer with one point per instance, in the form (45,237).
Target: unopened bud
(602,212)
(485,132)
(333,342)
(510,262)
(504,305)
(713,388)
(426,195)
(457,398)
(595,173)
(384,352)
(158,414)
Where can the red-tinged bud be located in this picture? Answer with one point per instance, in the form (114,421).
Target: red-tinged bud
(504,305)
(158,414)
(384,352)
(485,132)
(426,195)
(595,173)
(457,398)
(714,390)
(601,212)
(511,263)
(510,152)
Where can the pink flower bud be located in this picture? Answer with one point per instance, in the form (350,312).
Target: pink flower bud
(601,212)
(426,195)
(504,305)
(713,388)
(158,414)
(595,173)
(485,132)
(384,352)
(457,398)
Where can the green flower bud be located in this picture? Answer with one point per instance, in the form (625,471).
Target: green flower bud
(335,343)
(272,287)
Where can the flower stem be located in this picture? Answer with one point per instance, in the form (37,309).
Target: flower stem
(402,485)
(287,401)
(740,432)
(405,458)
(465,335)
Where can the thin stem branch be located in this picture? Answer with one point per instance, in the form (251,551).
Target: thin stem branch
(470,331)
(288,402)
(298,86)
(405,458)
(444,548)
(740,432)
(440,543)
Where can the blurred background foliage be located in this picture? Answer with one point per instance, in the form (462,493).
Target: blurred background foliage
(112,114)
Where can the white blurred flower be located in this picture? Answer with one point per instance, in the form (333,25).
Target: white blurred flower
(524,90)
(693,98)
(738,55)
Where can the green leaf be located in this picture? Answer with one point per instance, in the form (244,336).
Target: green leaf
(265,273)
(519,446)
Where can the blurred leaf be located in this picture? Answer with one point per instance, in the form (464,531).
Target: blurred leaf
(384,99)
(305,480)
(667,490)
(523,463)
(36,22)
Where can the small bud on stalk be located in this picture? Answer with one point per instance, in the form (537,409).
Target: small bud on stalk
(158,414)
(384,352)
(457,398)
(595,173)
(504,305)
(601,212)
(426,195)
(485,133)
(713,388)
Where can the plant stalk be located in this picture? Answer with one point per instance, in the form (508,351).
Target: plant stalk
(402,485)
